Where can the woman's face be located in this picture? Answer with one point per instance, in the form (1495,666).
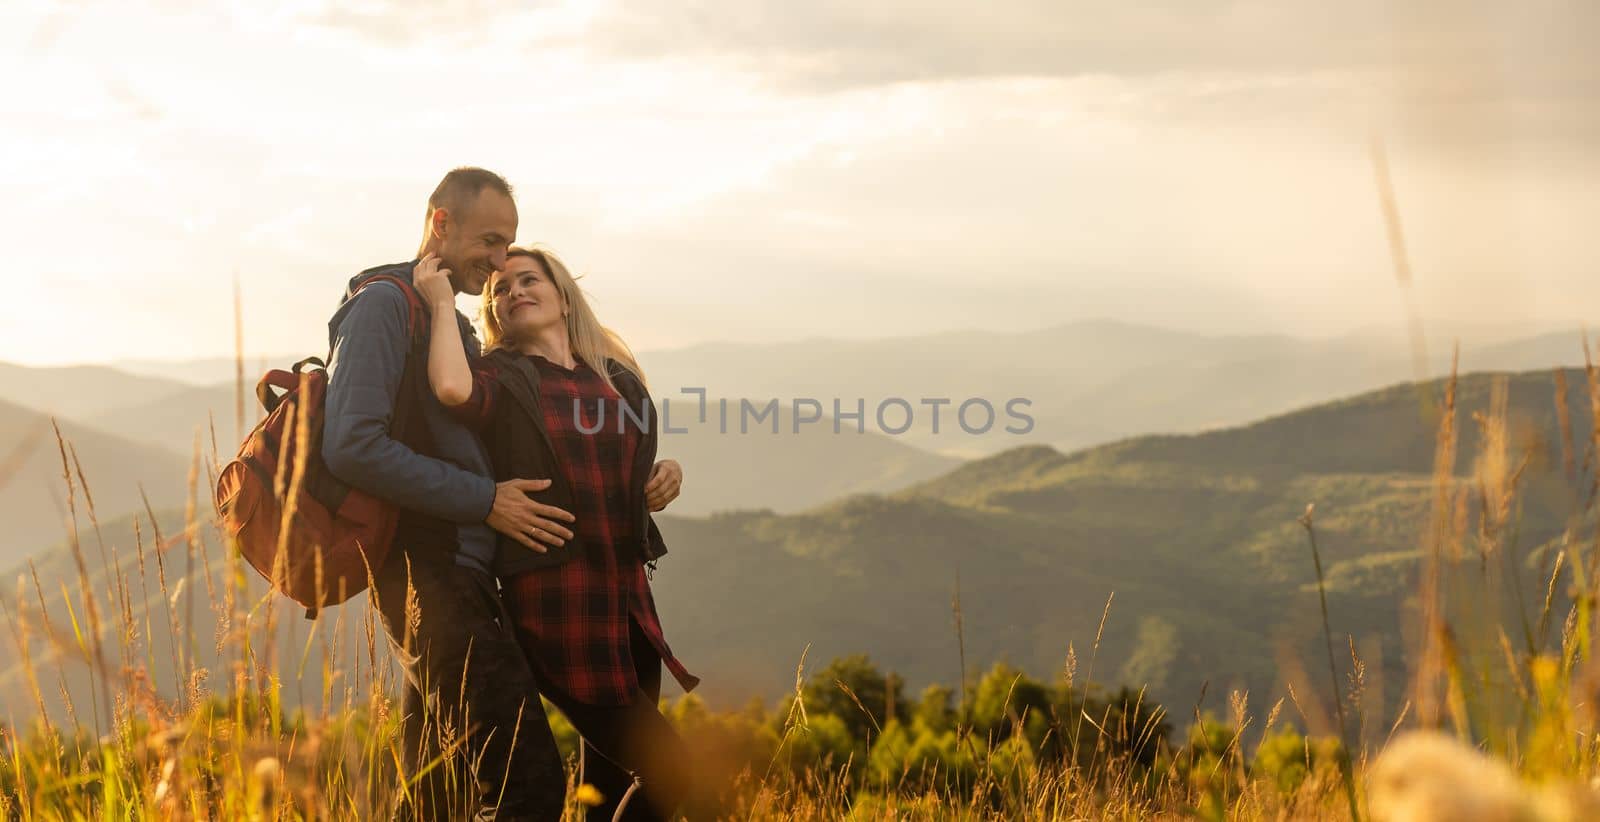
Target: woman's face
(525,300)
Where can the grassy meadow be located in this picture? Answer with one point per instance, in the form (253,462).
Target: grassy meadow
(1493,716)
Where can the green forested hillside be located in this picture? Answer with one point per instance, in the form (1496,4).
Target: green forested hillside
(1197,536)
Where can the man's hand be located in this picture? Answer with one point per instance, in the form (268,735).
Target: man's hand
(666,481)
(433,285)
(531,523)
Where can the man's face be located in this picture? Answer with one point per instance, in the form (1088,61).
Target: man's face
(474,242)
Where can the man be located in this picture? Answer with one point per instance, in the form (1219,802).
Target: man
(468,684)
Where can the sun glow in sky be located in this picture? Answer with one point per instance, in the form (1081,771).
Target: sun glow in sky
(767,171)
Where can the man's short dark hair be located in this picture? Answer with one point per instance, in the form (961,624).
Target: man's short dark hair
(461,188)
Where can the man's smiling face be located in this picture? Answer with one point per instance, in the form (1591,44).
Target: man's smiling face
(474,241)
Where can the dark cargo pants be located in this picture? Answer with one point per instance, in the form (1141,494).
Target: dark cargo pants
(467,681)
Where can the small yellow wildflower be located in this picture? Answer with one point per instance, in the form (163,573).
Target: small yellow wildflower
(589,796)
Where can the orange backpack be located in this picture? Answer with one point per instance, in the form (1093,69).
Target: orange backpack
(317,539)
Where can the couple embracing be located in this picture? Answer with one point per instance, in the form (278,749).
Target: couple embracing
(520,561)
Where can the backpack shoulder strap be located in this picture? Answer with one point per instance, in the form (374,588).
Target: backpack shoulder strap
(406,423)
(417,316)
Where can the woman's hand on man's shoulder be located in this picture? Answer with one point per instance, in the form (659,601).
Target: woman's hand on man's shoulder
(433,284)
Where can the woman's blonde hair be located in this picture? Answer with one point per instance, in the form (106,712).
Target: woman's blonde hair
(591,342)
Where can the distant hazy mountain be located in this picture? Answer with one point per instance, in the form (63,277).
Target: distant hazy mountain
(1088,383)
(1196,535)
(1563,348)
(173,420)
(1075,378)
(78,391)
(33,493)
(208,371)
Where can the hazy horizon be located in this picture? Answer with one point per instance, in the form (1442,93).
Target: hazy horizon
(1484,334)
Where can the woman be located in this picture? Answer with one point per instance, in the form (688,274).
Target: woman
(581,601)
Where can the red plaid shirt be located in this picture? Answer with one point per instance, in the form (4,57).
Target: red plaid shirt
(573,618)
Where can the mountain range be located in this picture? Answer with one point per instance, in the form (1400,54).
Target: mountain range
(1196,540)
(1087,382)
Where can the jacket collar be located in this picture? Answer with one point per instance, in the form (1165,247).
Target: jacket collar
(511,363)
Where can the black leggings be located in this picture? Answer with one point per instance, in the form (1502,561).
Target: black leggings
(621,742)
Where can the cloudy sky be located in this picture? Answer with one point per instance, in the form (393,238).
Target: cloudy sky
(770,170)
